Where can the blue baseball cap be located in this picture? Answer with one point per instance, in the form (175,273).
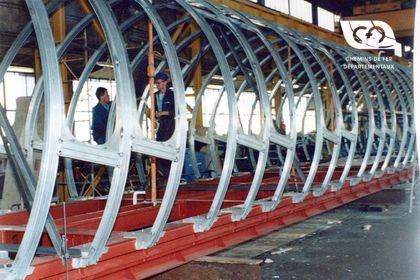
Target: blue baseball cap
(161,76)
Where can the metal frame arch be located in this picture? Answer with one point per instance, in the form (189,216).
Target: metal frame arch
(388,96)
(187,68)
(289,142)
(385,130)
(390,131)
(125,110)
(407,93)
(211,133)
(150,236)
(368,103)
(142,104)
(242,212)
(378,132)
(209,141)
(399,97)
(300,196)
(142,143)
(32,140)
(204,223)
(349,135)
(283,140)
(334,137)
(49,163)
(354,81)
(298,77)
(26,172)
(31,135)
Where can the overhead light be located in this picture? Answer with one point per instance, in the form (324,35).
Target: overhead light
(295,86)
(214,86)
(20,69)
(104,64)
(218,77)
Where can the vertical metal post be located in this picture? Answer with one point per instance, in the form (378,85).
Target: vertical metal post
(64,239)
(315,4)
(196,48)
(151,74)
(261,2)
(331,105)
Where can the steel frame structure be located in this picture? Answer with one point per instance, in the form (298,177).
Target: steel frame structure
(181,243)
(251,55)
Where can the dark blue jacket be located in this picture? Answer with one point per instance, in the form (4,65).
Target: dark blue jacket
(166,123)
(99,121)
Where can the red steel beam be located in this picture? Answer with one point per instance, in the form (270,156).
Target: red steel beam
(181,244)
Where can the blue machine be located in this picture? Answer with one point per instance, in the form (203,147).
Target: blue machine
(187,171)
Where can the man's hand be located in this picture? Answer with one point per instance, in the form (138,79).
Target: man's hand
(163,113)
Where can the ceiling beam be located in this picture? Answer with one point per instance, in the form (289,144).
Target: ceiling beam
(280,18)
(292,22)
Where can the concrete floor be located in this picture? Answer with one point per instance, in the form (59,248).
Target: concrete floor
(375,238)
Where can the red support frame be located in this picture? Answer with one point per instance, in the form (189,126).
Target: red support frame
(180,244)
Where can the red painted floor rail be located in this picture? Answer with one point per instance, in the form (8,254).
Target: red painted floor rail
(180,244)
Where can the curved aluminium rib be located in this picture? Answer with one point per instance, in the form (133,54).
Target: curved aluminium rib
(54,105)
(262,145)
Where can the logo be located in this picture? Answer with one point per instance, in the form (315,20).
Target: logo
(369,34)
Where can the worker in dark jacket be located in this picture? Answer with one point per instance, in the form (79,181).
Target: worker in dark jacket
(100,115)
(165,114)
(165,108)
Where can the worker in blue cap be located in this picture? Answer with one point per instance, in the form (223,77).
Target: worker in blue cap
(165,114)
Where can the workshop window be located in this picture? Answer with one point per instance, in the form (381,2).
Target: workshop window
(278,5)
(18,82)
(326,19)
(301,10)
